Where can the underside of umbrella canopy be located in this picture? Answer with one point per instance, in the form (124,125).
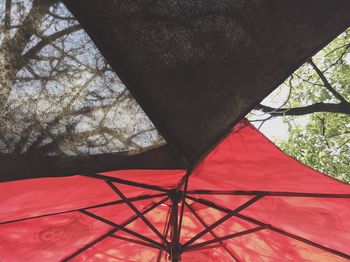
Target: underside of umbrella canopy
(246,201)
(195,67)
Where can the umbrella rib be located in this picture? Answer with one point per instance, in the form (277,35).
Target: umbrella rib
(285,233)
(203,248)
(211,232)
(99,239)
(209,204)
(122,228)
(223,219)
(143,197)
(252,220)
(219,239)
(132,206)
(267,193)
(127,239)
(126,182)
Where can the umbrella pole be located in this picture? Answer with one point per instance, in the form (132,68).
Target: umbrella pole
(175,247)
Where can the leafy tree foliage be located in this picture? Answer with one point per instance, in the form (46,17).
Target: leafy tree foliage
(324,143)
(319,89)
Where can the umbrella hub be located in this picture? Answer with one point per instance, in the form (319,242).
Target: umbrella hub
(176,195)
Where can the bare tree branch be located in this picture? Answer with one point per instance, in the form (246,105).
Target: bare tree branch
(59,97)
(297,111)
(67,18)
(47,40)
(7,20)
(28,27)
(326,82)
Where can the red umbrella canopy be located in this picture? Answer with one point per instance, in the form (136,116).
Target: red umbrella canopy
(245,201)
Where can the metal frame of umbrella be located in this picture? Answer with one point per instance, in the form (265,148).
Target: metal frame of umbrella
(178,198)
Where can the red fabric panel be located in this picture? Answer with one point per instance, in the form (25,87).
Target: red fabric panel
(112,249)
(33,197)
(48,238)
(315,219)
(269,246)
(246,160)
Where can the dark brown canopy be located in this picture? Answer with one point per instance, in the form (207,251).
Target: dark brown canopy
(195,67)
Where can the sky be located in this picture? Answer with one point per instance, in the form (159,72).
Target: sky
(275,129)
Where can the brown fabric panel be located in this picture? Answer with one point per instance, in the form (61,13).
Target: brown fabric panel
(197,67)
(19,167)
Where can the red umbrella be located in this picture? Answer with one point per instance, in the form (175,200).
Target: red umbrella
(245,201)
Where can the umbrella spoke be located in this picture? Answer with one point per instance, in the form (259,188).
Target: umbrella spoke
(142,197)
(112,231)
(209,204)
(267,193)
(126,182)
(219,239)
(133,207)
(136,242)
(204,247)
(122,228)
(268,226)
(223,219)
(211,232)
